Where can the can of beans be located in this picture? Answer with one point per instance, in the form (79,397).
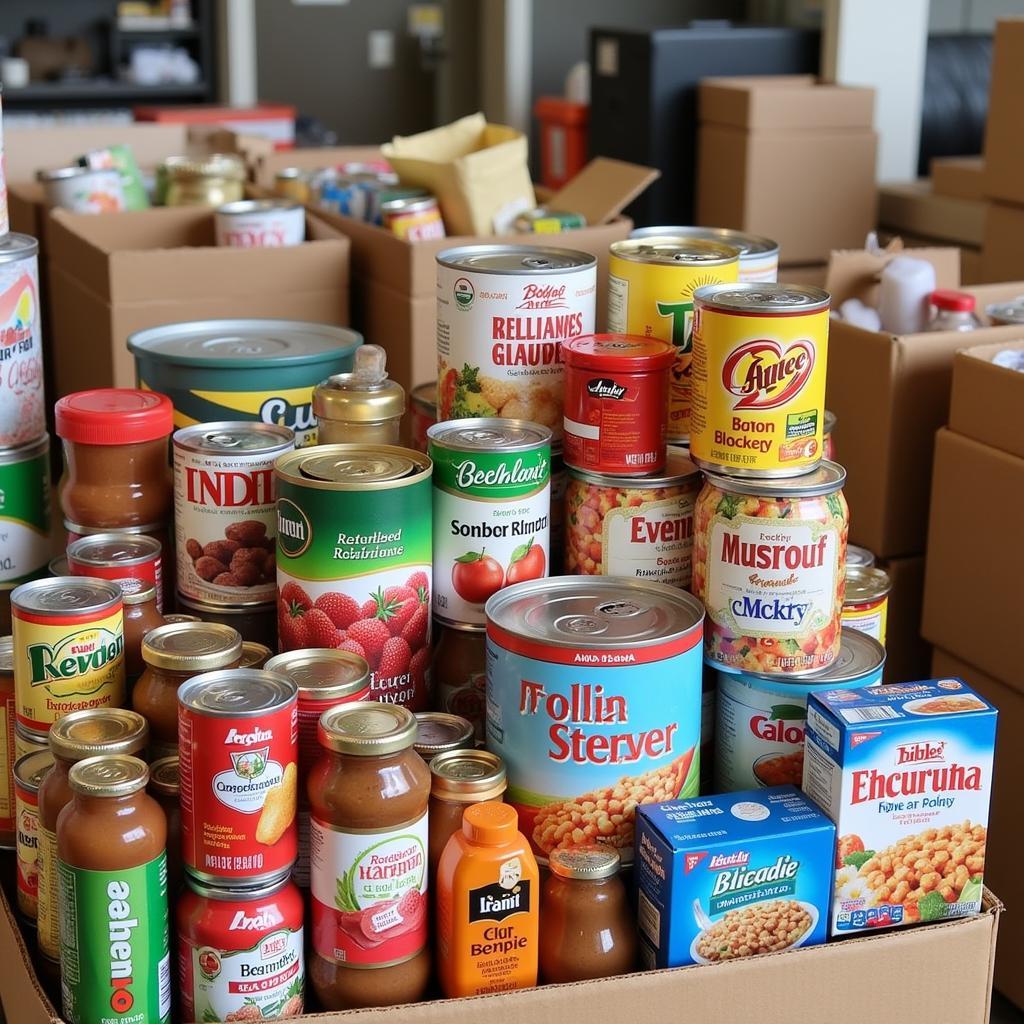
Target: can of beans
(260,223)
(29,772)
(238,764)
(22,403)
(768,564)
(132,561)
(422,413)
(413,218)
(759,355)
(354,560)
(594,703)
(633,526)
(866,603)
(25,510)
(759,256)
(616,391)
(760,720)
(225,510)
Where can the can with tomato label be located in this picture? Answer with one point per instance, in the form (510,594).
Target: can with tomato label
(759,257)
(492,511)
(132,561)
(460,674)
(866,604)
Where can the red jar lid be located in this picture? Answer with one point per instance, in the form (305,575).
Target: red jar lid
(946,298)
(618,352)
(114,416)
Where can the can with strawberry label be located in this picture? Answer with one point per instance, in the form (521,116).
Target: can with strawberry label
(354,561)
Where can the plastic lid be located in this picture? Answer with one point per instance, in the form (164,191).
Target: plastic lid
(946,298)
(114,416)
(490,823)
(618,352)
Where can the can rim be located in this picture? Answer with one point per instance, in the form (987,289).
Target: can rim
(224,645)
(765,246)
(32,780)
(183,437)
(79,549)
(243,890)
(690,252)
(460,731)
(288,467)
(281,692)
(25,452)
(389,737)
(767,298)
(107,592)
(160,771)
(240,207)
(668,478)
(312,688)
(825,478)
(446,781)
(575,259)
(865,583)
(439,435)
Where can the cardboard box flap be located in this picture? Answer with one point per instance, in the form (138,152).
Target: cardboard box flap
(959,177)
(987,399)
(603,189)
(854,273)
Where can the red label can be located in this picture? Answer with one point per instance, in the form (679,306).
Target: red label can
(133,561)
(616,395)
(238,764)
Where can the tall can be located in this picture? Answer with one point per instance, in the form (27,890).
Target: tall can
(759,357)
(759,256)
(503,312)
(354,561)
(25,511)
(29,772)
(492,511)
(651,282)
(22,402)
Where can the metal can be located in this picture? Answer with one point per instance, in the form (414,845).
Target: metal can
(768,564)
(225,510)
(255,621)
(616,391)
(594,704)
(759,732)
(293,183)
(206,181)
(651,282)
(356,191)
(83,189)
(240,950)
(438,732)
(361,407)
(759,256)
(25,511)
(423,413)
(629,526)
(22,402)
(503,312)
(238,766)
(68,648)
(858,557)
(260,224)
(866,604)
(120,158)
(1001,313)
(132,561)
(460,675)
(8,750)
(354,560)
(759,356)
(29,772)
(492,511)
(828,445)
(26,741)
(255,655)
(543,221)
(413,218)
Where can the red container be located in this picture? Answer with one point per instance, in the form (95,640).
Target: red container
(616,401)
(133,561)
(563,138)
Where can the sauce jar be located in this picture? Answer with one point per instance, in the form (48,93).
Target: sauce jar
(116,470)
(368,790)
(165,789)
(361,407)
(438,732)
(589,929)
(460,674)
(173,654)
(29,772)
(141,616)
(7,726)
(254,655)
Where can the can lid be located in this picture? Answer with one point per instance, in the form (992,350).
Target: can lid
(322,674)
(391,203)
(58,566)
(356,465)
(748,245)
(675,250)
(1006,312)
(108,775)
(6,653)
(828,478)
(488,434)
(678,470)
(762,297)
(33,449)
(858,557)
(439,731)
(16,246)
(106,549)
(246,206)
(237,693)
(865,583)
(239,891)
(68,595)
(109,416)
(228,437)
(191,646)
(136,592)
(588,861)
(180,617)
(366,728)
(618,352)
(254,653)
(365,395)
(515,259)
(164,776)
(467,774)
(216,165)
(98,731)
(30,769)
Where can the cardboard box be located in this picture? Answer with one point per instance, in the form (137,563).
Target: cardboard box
(915,208)
(1001,250)
(907,653)
(1004,143)
(987,399)
(117,273)
(788,158)
(959,177)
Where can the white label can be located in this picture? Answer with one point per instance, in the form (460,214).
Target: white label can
(260,224)
(22,405)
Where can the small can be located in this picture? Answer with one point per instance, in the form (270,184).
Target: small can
(828,445)
(120,158)
(760,720)
(492,511)
(503,312)
(353,560)
(759,256)
(132,561)
(22,402)
(413,218)
(68,648)
(759,356)
(84,189)
(543,221)
(255,655)
(240,950)
(633,526)
(293,183)
(422,413)
(651,282)
(616,391)
(160,532)
(225,502)
(859,558)
(1002,313)
(238,765)
(438,732)
(768,564)
(29,772)
(460,674)
(25,511)
(59,566)
(593,703)
(866,604)
(260,224)
(26,741)
(8,747)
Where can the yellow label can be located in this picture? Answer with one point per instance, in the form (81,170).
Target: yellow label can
(759,358)
(651,282)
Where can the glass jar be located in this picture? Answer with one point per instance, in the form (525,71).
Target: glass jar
(141,616)
(460,674)
(589,930)
(165,789)
(208,181)
(437,732)
(7,715)
(361,407)
(954,311)
(116,469)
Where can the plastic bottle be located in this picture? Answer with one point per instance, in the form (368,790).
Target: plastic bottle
(907,282)
(954,311)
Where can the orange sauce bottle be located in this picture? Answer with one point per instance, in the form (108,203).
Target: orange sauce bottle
(488,893)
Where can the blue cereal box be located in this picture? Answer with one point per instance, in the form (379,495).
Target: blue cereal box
(905,772)
(723,877)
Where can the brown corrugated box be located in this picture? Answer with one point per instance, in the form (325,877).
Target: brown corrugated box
(1004,141)
(987,403)
(907,653)
(1001,250)
(916,208)
(959,177)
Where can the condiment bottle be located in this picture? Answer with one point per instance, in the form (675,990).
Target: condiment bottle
(116,469)
(488,889)
(82,734)
(438,732)
(113,874)
(954,311)
(361,407)
(589,929)
(165,789)
(141,616)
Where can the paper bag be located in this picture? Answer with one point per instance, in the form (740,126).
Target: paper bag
(854,273)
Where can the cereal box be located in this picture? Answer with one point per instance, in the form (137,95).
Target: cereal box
(723,877)
(905,772)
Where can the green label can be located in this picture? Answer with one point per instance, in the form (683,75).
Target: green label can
(354,561)
(24,511)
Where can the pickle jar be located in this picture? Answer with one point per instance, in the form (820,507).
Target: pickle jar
(361,407)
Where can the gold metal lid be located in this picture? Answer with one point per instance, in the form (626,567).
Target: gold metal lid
(254,654)
(363,396)
(163,776)
(866,583)
(181,617)
(216,165)
(30,769)
(6,654)
(438,731)
(147,592)
(191,646)
(109,775)
(367,728)
(322,674)
(588,861)
(98,731)
(467,775)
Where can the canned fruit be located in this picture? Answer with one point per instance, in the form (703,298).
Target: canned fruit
(22,403)
(24,511)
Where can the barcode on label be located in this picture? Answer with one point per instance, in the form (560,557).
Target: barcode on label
(875,714)
(165,986)
(650,919)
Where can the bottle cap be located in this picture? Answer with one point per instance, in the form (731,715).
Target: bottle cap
(490,823)
(114,416)
(947,298)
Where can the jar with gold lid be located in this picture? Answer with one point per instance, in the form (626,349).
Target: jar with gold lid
(361,407)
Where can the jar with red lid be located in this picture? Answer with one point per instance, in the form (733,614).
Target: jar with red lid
(616,397)
(116,468)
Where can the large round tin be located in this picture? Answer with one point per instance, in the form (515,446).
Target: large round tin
(759,358)
(866,602)
(22,402)
(594,703)
(25,511)
(242,369)
(260,223)
(759,257)
(132,561)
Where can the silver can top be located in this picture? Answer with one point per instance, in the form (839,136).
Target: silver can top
(228,437)
(237,693)
(675,250)
(747,245)
(828,478)
(245,207)
(67,595)
(488,434)
(515,259)
(762,297)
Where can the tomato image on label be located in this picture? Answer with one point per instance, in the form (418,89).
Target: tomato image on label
(475,576)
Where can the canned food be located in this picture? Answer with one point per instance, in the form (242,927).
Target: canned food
(132,561)
(7,744)
(640,527)
(492,511)
(1006,312)
(25,511)
(866,604)
(208,181)
(237,761)
(83,189)
(59,566)
(651,282)
(22,403)
(542,221)
(460,676)
(759,355)
(293,183)
(29,772)
(759,735)
(256,621)
(594,704)
(413,218)
(438,732)
(768,563)
(759,257)
(356,191)
(68,648)
(828,445)
(242,369)
(120,158)
(503,312)
(260,223)
(353,561)
(361,407)
(858,557)
(225,510)
(423,413)
(255,655)
(156,531)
